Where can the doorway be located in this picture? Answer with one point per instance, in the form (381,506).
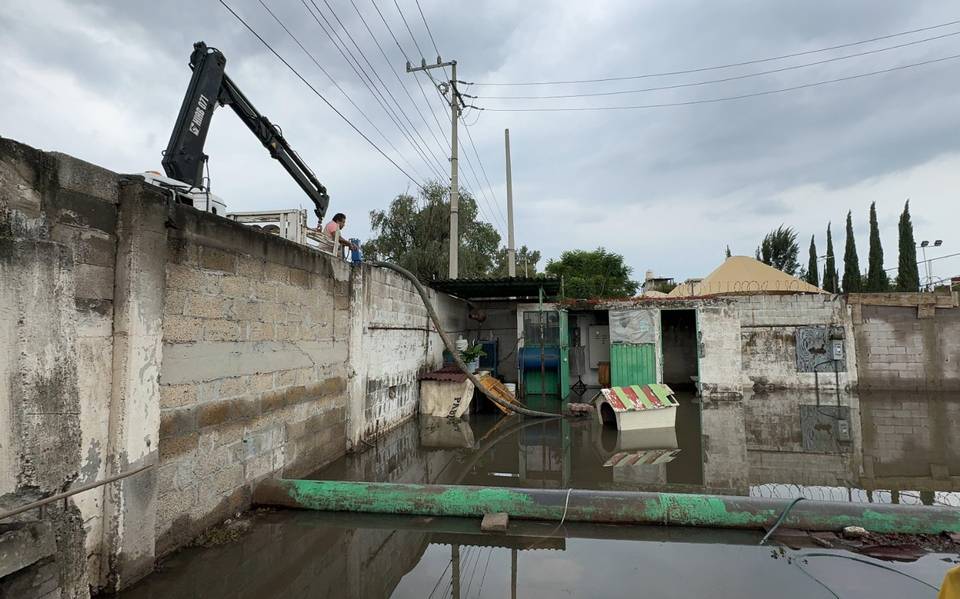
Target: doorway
(679,348)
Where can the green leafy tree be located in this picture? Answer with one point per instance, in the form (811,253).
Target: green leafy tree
(877,280)
(908,275)
(812,275)
(779,249)
(728,252)
(414,232)
(830,268)
(593,274)
(852,279)
(526,261)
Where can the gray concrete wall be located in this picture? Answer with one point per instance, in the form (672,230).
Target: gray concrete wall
(903,347)
(768,331)
(135,331)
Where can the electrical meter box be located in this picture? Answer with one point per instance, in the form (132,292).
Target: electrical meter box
(837,347)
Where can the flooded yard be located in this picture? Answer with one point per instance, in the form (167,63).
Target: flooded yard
(881,447)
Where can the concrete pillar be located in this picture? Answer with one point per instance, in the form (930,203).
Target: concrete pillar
(130,505)
(356,362)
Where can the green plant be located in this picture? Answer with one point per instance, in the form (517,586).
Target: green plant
(472,353)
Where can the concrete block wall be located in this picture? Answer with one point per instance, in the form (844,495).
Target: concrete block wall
(255,366)
(134,332)
(900,350)
(58,227)
(768,326)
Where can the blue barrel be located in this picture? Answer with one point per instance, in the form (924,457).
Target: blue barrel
(356,255)
(530,358)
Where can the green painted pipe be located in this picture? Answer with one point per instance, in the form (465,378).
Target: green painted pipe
(676,509)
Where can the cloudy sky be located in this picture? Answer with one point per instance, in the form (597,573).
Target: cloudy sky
(668,187)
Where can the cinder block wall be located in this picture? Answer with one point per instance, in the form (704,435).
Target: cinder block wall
(134,331)
(768,328)
(902,348)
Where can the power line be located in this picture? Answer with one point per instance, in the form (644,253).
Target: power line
(342,91)
(318,94)
(487,179)
(383,84)
(400,81)
(725,79)
(728,98)
(729,65)
(365,78)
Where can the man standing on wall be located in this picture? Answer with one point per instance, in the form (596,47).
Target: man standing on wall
(336,225)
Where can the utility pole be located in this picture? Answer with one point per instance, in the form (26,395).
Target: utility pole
(455,102)
(511,249)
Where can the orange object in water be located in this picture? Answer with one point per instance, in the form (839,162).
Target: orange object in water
(950,589)
(500,390)
(603,374)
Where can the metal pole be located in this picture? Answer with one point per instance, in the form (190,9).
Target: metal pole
(454,189)
(455,576)
(511,248)
(513,574)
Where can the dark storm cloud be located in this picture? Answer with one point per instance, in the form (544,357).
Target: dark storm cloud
(738,162)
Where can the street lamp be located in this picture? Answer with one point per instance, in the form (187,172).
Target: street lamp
(923,246)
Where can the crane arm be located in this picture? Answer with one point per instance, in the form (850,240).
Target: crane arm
(184,158)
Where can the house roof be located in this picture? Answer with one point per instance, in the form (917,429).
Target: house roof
(742,275)
(499,288)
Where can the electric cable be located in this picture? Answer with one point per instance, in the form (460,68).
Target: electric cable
(729,65)
(729,98)
(402,86)
(723,79)
(337,85)
(354,63)
(783,516)
(376,74)
(861,560)
(496,200)
(318,94)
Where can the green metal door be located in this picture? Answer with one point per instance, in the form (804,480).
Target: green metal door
(632,364)
(564,356)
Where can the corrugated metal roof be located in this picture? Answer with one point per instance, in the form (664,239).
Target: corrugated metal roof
(636,397)
(499,288)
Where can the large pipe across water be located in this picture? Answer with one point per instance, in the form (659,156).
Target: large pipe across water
(626,507)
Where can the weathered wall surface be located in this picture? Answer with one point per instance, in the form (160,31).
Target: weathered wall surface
(769,327)
(908,347)
(720,361)
(134,331)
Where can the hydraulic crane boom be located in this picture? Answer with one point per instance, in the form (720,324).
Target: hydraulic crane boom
(184,158)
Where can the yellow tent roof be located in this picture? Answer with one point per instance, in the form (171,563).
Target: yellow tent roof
(743,274)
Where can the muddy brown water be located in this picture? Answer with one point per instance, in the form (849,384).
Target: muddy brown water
(878,447)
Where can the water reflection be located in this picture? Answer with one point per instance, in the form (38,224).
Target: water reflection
(876,447)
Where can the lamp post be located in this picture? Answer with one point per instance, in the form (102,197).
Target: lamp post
(923,246)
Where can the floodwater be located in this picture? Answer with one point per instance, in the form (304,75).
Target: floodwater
(882,447)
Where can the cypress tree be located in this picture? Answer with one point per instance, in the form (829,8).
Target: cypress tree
(908,275)
(877,281)
(830,268)
(813,277)
(728,251)
(852,279)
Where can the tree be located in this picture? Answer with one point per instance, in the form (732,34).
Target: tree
(526,260)
(813,275)
(908,275)
(595,274)
(852,279)
(779,249)
(728,251)
(830,268)
(877,280)
(415,233)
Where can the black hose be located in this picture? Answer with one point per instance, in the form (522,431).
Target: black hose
(452,348)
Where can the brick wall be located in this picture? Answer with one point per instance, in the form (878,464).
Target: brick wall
(901,347)
(719,366)
(768,331)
